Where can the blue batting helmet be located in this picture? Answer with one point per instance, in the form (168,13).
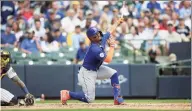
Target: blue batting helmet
(93,31)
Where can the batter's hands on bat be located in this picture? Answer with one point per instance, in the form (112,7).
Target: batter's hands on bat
(29,99)
(120,20)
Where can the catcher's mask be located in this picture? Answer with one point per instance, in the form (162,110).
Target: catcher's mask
(5,58)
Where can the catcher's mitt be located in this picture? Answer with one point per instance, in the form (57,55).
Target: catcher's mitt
(29,100)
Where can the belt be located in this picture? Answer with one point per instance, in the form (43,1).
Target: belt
(89,69)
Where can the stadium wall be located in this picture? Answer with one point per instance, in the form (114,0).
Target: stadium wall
(136,81)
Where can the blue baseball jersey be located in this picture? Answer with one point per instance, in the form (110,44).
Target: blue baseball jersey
(96,54)
(81,53)
(8,38)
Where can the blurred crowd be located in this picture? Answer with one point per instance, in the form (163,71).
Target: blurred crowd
(38,26)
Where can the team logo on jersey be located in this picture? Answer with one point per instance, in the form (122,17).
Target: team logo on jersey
(101,55)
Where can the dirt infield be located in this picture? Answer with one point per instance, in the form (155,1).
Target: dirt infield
(154,106)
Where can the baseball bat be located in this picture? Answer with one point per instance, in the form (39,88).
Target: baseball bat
(123,8)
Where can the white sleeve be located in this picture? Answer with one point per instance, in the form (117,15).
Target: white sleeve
(11,73)
(54,46)
(44,47)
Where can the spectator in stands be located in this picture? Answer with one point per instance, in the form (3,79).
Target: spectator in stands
(56,9)
(153,4)
(81,53)
(147,22)
(50,20)
(7,38)
(16,30)
(36,16)
(156,14)
(23,23)
(143,34)
(56,23)
(185,11)
(39,31)
(96,15)
(145,13)
(7,9)
(168,11)
(31,44)
(163,24)
(89,18)
(75,6)
(170,36)
(152,59)
(174,18)
(45,8)
(182,29)
(77,37)
(80,15)
(172,6)
(84,5)
(129,23)
(134,39)
(88,23)
(10,19)
(27,10)
(123,29)
(49,44)
(152,56)
(58,36)
(138,7)
(155,42)
(115,12)
(103,26)
(70,21)
(21,5)
(106,15)
(173,64)
(188,23)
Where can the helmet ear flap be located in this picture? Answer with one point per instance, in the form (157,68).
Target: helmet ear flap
(101,33)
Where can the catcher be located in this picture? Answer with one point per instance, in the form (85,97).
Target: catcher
(7,98)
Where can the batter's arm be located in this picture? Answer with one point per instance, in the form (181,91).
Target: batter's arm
(110,53)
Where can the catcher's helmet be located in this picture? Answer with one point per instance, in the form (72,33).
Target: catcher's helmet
(5,58)
(93,31)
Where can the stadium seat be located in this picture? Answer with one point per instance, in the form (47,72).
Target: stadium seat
(25,61)
(36,56)
(10,49)
(55,56)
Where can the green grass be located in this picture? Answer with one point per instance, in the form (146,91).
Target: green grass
(127,101)
(97,110)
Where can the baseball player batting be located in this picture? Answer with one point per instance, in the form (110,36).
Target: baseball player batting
(93,69)
(7,98)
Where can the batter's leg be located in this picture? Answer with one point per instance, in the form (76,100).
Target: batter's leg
(7,98)
(87,80)
(106,72)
